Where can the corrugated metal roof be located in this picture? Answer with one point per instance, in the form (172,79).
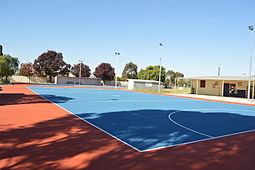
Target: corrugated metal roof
(147,81)
(241,78)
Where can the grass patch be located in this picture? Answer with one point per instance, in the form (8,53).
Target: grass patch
(169,91)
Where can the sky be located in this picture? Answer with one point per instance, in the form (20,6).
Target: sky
(198,36)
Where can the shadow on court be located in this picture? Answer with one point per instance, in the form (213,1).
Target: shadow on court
(150,129)
(59,140)
(69,143)
(21,98)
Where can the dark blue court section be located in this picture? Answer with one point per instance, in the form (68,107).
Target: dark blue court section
(147,121)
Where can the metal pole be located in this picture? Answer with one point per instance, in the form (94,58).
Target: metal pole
(80,73)
(222,88)
(253,90)
(160,68)
(250,67)
(197,88)
(175,84)
(116,65)
(218,71)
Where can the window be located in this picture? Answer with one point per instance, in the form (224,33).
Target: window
(202,83)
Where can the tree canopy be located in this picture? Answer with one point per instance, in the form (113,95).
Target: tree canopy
(171,76)
(152,73)
(104,71)
(130,71)
(51,64)
(8,66)
(26,69)
(85,71)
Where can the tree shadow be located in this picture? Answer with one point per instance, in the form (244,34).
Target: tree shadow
(22,98)
(150,129)
(69,143)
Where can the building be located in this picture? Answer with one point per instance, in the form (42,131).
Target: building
(232,86)
(143,84)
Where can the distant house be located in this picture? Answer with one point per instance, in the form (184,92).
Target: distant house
(232,86)
(143,84)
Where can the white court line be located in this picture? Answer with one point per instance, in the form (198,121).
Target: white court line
(207,139)
(141,101)
(162,147)
(88,122)
(169,117)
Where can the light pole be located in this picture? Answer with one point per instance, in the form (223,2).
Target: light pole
(160,68)
(219,70)
(116,65)
(80,61)
(250,68)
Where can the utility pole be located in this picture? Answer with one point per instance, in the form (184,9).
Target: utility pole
(80,61)
(116,65)
(160,68)
(250,66)
(219,71)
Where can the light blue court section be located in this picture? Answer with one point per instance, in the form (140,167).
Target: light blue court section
(148,121)
(75,85)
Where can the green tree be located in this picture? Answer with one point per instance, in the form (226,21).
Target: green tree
(179,75)
(171,76)
(152,73)
(8,66)
(130,71)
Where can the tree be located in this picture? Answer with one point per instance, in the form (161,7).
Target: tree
(130,71)
(51,64)
(172,76)
(85,71)
(66,70)
(152,73)
(26,69)
(179,75)
(104,71)
(8,66)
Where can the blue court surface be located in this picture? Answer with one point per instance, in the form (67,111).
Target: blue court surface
(148,121)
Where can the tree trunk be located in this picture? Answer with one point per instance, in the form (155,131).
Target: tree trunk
(50,78)
(6,79)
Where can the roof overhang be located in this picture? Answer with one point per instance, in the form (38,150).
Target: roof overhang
(229,78)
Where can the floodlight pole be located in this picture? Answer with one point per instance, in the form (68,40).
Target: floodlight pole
(219,70)
(80,61)
(160,68)
(251,56)
(116,65)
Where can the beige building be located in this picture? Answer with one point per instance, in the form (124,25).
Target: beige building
(232,86)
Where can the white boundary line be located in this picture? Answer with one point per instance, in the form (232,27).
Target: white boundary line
(169,117)
(87,122)
(163,147)
(207,139)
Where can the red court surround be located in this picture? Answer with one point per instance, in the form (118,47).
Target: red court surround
(36,134)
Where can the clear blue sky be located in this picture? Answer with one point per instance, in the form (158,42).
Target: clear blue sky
(198,35)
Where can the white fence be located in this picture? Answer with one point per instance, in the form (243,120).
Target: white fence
(75,80)
(25,79)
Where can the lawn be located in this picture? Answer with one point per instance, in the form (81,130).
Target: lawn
(170,91)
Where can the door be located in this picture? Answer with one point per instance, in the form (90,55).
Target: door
(232,90)
(226,89)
